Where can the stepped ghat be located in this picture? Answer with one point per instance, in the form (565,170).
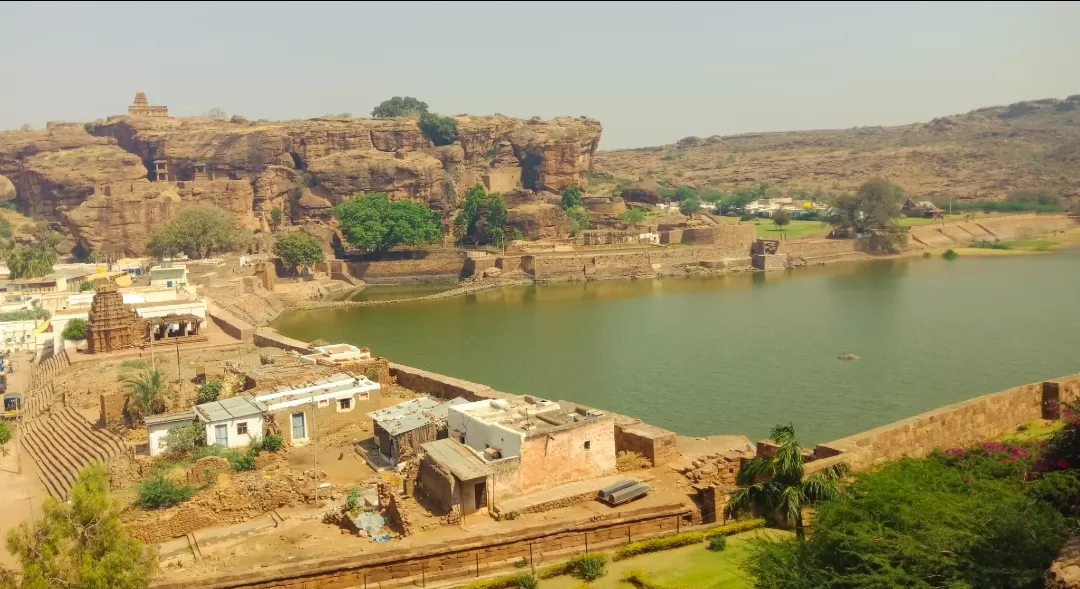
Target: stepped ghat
(59,440)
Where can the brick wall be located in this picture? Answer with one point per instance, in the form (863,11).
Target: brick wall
(436,266)
(462,557)
(960,424)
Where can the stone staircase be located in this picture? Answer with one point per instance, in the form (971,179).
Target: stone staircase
(251,308)
(63,443)
(59,440)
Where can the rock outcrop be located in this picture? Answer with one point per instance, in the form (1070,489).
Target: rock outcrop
(109,188)
(7,189)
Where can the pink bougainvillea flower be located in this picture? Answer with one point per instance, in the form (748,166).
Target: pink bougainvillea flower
(1062,464)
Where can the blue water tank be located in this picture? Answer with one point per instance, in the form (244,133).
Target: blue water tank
(169,283)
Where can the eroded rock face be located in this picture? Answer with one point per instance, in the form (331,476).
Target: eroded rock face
(96,185)
(538,220)
(7,189)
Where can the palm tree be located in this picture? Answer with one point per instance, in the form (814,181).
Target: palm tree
(146,392)
(777,484)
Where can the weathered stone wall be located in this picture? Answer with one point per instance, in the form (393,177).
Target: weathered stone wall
(435,267)
(810,248)
(559,268)
(581,451)
(230,324)
(608,266)
(436,484)
(267,338)
(656,444)
(960,424)
(769,261)
(461,557)
(111,412)
(994,228)
(440,385)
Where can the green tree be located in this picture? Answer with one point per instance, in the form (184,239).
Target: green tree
(482,217)
(571,197)
(951,522)
(876,205)
(32,262)
(183,439)
(159,492)
(689,205)
(275,217)
(298,248)
(209,392)
(778,484)
(684,193)
(578,218)
(439,129)
(780,218)
(75,329)
(736,204)
(373,222)
(1039,196)
(399,106)
(633,216)
(86,285)
(146,392)
(198,231)
(79,544)
(6,229)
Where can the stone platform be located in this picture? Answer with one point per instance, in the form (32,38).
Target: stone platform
(563,495)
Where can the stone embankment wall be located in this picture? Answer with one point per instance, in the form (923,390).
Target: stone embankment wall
(1007,228)
(957,425)
(462,557)
(437,266)
(230,324)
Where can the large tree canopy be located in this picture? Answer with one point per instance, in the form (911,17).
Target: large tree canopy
(400,106)
(483,216)
(876,205)
(373,222)
(439,129)
(79,544)
(298,248)
(198,231)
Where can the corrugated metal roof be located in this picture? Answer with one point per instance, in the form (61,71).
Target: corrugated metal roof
(407,416)
(231,408)
(176,416)
(458,459)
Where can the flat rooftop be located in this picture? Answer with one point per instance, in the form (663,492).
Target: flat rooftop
(414,413)
(529,414)
(229,409)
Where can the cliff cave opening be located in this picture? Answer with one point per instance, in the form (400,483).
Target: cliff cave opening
(298,162)
(530,170)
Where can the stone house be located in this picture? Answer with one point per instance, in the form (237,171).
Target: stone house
(529,444)
(231,422)
(400,430)
(325,403)
(158,426)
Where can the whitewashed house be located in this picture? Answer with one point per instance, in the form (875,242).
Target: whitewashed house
(232,422)
(294,406)
(158,426)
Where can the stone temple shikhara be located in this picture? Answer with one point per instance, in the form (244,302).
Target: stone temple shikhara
(141,108)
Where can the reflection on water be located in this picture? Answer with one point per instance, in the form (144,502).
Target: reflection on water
(738,353)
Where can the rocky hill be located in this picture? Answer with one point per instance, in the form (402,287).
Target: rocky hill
(983,154)
(108,187)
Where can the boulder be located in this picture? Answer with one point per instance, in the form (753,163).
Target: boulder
(538,220)
(645,190)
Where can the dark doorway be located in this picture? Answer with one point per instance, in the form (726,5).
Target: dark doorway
(530,170)
(480,491)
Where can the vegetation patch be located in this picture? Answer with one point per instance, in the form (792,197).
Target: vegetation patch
(505,582)
(685,538)
(160,492)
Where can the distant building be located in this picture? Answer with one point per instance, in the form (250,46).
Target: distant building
(401,429)
(336,354)
(170,276)
(924,209)
(142,108)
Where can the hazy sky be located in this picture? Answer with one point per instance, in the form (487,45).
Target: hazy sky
(651,72)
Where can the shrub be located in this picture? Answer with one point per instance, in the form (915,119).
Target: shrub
(240,460)
(88,127)
(86,285)
(587,567)
(352,501)
(950,254)
(25,315)
(526,581)
(685,539)
(439,129)
(571,197)
(275,216)
(505,582)
(272,442)
(160,492)
(75,330)
(991,245)
(183,439)
(578,218)
(717,543)
(640,579)
(745,217)
(134,364)
(5,432)
(209,392)
(633,216)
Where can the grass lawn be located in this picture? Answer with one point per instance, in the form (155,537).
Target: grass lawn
(1037,430)
(913,221)
(766,230)
(689,566)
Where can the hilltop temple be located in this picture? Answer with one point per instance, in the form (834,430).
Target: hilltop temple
(141,108)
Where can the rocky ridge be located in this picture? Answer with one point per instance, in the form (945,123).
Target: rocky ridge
(983,154)
(108,187)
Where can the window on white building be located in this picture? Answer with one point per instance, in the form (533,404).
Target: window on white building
(344,404)
(241,428)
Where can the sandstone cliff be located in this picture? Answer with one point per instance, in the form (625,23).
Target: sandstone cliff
(108,189)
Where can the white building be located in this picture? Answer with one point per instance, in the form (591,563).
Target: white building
(170,276)
(232,422)
(335,354)
(341,390)
(21,335)
(158,427)
(497,424)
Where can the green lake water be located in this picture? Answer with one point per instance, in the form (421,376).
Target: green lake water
(736,354)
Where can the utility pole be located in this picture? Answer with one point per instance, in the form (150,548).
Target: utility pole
(314,451)
(179,378)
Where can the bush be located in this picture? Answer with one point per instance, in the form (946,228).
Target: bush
(272,442)
(950,254)
(160,492)
(5,432)
(239,461)
(633,216)
(298,248)
(86,285)
(587,567)
(183,439)
(506,582)
(991,245)
(75,330)
(25,315)
(579,220)
(685,539)
(717,543)
(209,392)
(571,197)
(439,129)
